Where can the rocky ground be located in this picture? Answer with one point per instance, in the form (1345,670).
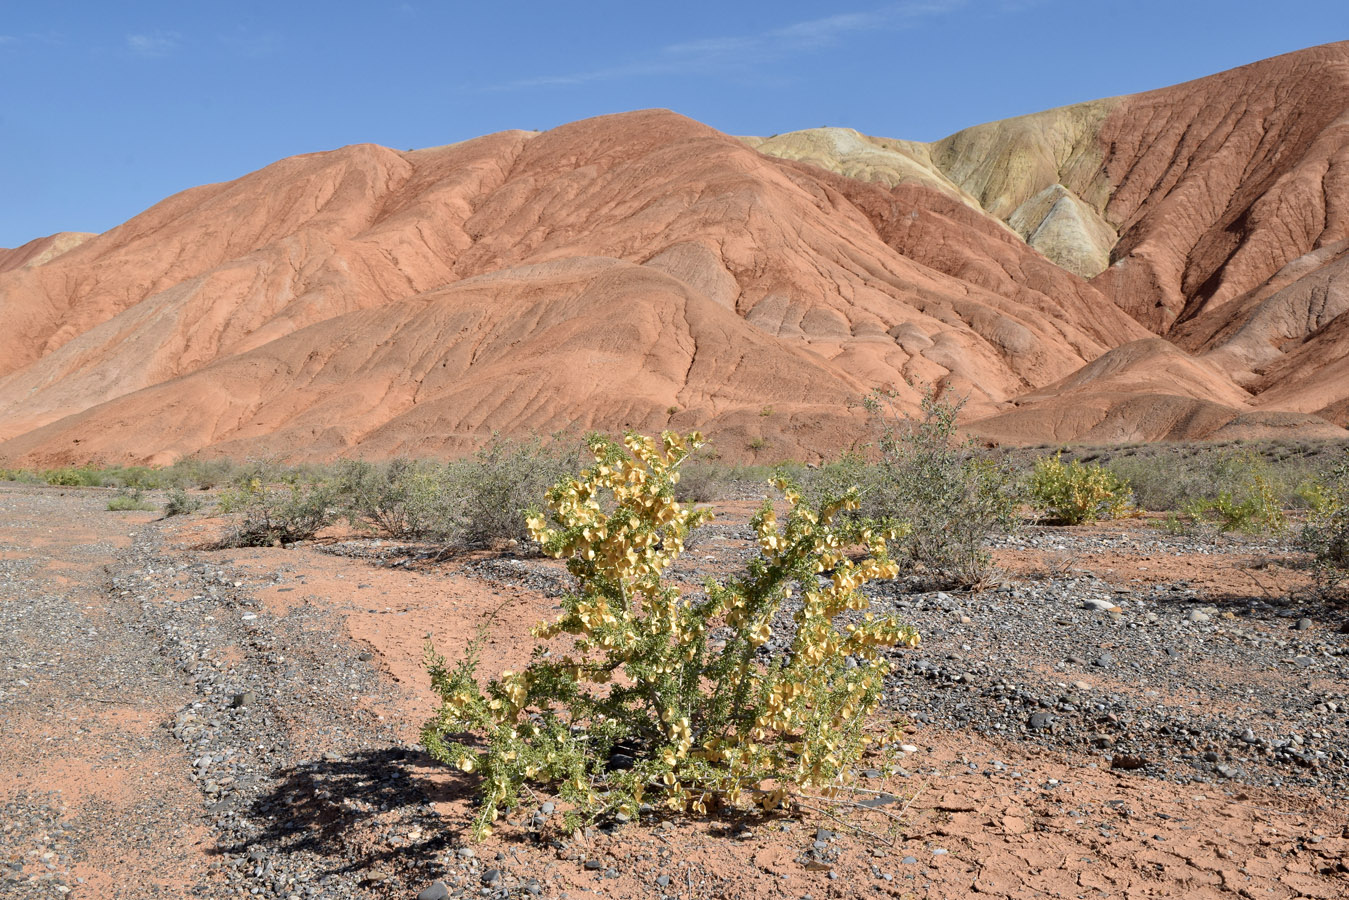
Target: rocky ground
(1130,714)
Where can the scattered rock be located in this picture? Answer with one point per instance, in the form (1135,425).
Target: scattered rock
(436,890)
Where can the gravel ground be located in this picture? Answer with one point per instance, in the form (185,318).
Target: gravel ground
(1160,676)
(297,790)
(169,733)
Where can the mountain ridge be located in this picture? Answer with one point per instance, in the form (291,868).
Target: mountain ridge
(318,306)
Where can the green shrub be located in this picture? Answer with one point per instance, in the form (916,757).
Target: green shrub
(269,514)
(180,503)
(503,480)
(1164,481)
(403,498)
(203,474)
(1076,494)
(701,483)
(75,476)
(639,704)
(135,478)
(1245,499)
(124,501)
(1170,478)
(950,492)
(1325,534)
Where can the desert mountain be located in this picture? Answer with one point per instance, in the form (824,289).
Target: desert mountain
(1165,265)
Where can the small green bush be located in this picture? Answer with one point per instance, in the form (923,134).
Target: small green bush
(179,502)
(1325,534)
(1245,499)
(951,493)
(135,478)
(269,514)
(640,704)
(701,483)
(402,499)
(75,476)
(1076,494)
(124,501)
(202,474)
(500,482)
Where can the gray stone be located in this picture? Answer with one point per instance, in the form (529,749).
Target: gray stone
(1040,721)
(436,890)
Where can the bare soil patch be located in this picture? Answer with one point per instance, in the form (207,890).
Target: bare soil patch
(190,722)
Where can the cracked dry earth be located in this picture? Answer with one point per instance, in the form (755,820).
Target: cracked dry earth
(185,722)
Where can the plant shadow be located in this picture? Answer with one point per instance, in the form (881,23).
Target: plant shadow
(368,811)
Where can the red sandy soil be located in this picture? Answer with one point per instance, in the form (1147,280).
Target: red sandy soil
(1064,826)
(88,743)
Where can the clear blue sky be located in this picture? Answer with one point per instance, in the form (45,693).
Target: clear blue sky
(109,107)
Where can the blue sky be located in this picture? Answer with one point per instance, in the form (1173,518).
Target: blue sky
(110,107)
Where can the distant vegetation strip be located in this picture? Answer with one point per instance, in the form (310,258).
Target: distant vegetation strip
(915,469)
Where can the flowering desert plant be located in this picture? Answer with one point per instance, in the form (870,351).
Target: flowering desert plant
(1076,494)
(628,700)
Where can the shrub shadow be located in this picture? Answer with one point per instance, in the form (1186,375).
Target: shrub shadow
(331,807)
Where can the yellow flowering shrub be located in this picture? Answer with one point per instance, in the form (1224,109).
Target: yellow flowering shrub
(627,700)
(1078,494)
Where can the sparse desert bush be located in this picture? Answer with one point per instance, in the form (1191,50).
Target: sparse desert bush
(203,474)
(639,705)
(1242,496)
(134,478)
(835,477)
(75,476)
(267,514)
(1162,482)
(179,502)
(700,483)
(1168,478)
(403,498)
(125,500)
(1076,494)
(503,480)
(1325,534)
(950,493)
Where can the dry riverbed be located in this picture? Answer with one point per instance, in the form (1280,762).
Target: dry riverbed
(1130,714)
